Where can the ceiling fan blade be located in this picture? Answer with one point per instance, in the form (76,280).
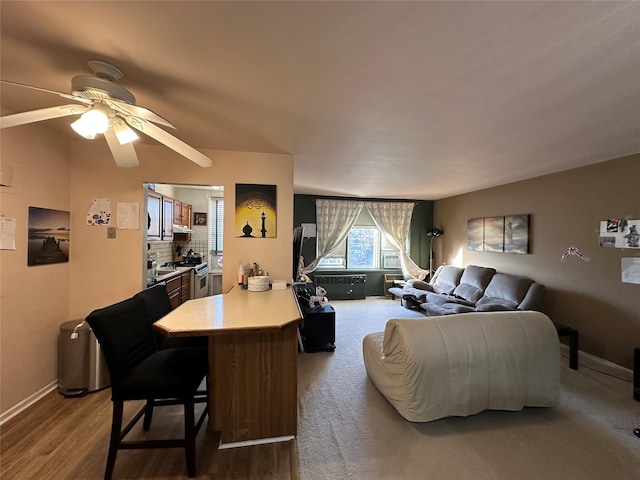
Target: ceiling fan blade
(43,114)
(124,155)
(60,94)
(140,112)
(169,140)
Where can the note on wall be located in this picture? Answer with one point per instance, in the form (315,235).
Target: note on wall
(128,216)
(630,269)
(7,233)
(99,212)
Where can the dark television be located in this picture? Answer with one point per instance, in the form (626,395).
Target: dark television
(297,251)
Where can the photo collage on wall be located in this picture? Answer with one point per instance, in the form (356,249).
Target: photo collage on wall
(620,233)
(508,234)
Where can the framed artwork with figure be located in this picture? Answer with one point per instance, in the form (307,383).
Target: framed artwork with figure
(255,213)
(199,218)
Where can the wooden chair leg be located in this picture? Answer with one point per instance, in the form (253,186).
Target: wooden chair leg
(114,441)
(148,415)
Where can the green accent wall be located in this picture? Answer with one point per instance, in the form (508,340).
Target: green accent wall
(304,211)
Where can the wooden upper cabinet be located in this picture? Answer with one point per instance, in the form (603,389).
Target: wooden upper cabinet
(163,213)
(167,218)
(177,212)
(154,218)
(181,213)
(186,214)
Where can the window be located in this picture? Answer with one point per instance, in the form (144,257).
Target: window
(216,224)
(363,249)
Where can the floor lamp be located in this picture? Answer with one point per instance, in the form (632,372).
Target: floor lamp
(433,234)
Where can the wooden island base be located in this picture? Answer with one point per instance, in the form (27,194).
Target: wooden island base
(253,381)
(253,360)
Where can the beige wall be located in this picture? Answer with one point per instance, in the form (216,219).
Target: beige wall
(565,210)
(111,269)
(55,173)
(33,300)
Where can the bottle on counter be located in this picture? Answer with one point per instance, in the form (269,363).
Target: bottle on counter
(241,274)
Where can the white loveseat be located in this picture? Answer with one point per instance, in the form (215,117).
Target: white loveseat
(459,365)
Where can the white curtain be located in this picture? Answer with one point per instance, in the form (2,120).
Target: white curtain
(394,220)
(334,219)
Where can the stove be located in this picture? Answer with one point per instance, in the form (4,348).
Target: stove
(200,281)
(200,269)
(199,276)
(195,263)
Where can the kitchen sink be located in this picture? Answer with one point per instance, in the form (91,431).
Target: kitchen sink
(165,270)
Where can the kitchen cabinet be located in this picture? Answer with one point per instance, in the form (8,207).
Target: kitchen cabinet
(167,218)
(181,213)
(174,289)
(163,213)
(179,288)
(154,205)
(182,216)
(186,214)
(177,212)
(185,286)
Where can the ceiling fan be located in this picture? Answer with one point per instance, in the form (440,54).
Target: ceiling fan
(107,108)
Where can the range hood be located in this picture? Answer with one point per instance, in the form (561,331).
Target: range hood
(181,229)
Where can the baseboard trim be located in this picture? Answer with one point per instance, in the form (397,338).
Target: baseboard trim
(27,402)
(261,441)
(599,364)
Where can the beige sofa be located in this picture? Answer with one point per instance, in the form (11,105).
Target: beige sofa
(459,365)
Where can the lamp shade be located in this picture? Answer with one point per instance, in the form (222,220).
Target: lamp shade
(91,123)
(123,133)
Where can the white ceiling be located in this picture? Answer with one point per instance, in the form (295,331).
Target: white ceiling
(419,100)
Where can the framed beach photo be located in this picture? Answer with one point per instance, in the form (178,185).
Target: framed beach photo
(49,232)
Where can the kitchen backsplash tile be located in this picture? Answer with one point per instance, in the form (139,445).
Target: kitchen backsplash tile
(168,252)
(162,252)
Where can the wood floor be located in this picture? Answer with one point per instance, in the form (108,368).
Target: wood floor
(67,438)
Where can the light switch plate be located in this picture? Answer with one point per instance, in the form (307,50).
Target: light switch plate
(111,232)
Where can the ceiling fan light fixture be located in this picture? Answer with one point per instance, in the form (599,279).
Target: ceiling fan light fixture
(91,123)
(123,133)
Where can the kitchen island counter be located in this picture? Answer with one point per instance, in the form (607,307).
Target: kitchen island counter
(253,351)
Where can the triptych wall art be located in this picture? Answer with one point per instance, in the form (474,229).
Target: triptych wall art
(509,234)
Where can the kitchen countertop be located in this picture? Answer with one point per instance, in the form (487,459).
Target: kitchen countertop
(166,276)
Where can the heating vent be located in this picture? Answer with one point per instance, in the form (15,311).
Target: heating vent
(343,287)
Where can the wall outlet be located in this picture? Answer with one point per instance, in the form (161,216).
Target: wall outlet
(111,232)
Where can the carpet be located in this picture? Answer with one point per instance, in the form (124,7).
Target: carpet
(347,429)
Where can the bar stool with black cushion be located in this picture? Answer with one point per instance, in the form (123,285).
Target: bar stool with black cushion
(140,371)
(158,304)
